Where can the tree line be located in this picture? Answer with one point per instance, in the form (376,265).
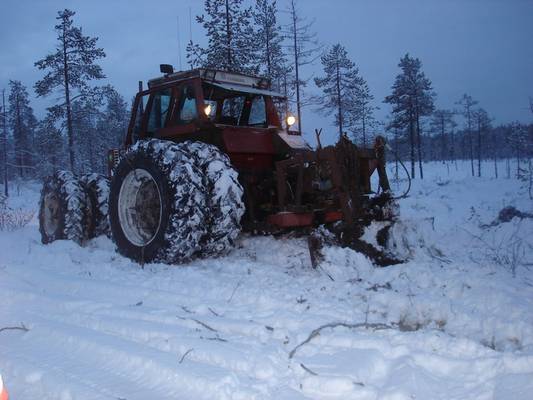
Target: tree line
(83,123)
(249,38)
(86,119)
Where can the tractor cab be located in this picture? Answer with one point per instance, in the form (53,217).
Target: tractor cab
(237,113)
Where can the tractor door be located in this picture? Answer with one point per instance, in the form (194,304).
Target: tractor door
(158,110)
(185,115)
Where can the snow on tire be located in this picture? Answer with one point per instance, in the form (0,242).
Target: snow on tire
(97,188)
(157,203)
(63,210)
(224,198)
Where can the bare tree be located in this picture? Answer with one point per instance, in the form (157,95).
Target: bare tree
(442,124)
(482,121)
(304,47)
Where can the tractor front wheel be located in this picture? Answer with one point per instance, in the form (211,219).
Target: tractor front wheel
(157,204)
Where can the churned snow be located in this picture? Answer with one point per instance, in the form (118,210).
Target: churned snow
(454,322)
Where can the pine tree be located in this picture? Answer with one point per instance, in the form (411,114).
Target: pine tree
(4,144)
(85,113)
(22,122)
(411,98)
(102,122)
(361,117)
(467,103)
(268,39)
(519,142)
(111,125)
(49,146)
(442,125)
(340,86)
(230,37)
(195,55)
(69,70)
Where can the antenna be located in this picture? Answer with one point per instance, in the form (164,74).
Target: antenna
(6,190)
(190,32)
(190,24)
(179,41)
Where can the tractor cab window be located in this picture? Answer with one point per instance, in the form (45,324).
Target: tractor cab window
(236,107)
(257,116)
(210,109)
(187,110)
(158,111)
(232,110)
(245,110)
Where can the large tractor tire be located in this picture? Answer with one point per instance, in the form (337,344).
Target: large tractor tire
(97,189)
(157,204)
(225,207)
(63,209)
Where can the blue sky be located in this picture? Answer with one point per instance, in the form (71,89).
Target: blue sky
(481,47)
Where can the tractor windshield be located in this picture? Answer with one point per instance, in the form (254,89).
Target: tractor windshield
(238,108)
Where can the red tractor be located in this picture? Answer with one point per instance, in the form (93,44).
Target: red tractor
(208,154)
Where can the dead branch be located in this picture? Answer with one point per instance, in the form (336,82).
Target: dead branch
(204,325)
(234,290)
(22,327)
(185,355)
(216,338)
(199,323)
(308,370)
(213,312)
(316,332)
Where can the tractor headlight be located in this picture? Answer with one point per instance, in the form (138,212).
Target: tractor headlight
(207,110)
(291,120)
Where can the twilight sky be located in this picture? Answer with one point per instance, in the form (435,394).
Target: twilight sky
(481,47)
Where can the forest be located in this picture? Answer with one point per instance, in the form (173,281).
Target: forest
(86,120)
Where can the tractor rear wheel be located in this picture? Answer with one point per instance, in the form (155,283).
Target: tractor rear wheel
(97,189)
(157,203)
(224,198)
(63,209)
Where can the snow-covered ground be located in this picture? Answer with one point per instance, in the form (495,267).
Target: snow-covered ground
(455,322)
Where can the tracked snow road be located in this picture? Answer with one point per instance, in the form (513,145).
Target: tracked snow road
(455,322)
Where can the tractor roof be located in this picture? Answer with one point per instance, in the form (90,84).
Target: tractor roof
(231,81)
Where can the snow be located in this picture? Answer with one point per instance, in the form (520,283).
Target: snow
(458,313)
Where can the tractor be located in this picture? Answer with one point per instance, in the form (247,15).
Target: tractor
(209,154)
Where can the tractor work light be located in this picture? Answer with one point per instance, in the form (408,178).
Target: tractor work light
(207,110)
(166,69)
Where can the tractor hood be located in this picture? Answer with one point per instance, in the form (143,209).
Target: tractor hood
(293,140)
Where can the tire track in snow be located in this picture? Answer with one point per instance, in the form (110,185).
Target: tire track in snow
(152,370)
